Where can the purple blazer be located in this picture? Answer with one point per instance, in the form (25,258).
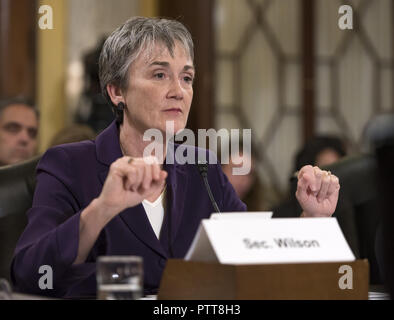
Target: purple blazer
(69,177)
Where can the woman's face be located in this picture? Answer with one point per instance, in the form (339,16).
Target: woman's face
(160,89)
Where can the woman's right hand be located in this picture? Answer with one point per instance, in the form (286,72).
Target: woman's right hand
(129,182)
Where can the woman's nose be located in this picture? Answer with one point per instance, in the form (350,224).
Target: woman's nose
(176,91)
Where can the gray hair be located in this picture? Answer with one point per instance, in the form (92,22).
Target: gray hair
(125,44)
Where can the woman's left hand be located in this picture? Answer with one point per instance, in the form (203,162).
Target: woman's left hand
(317,192)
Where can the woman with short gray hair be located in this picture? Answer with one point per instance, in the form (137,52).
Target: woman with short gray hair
(103,197)
(127,42)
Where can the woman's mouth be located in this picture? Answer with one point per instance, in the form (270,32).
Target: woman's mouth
(174,111)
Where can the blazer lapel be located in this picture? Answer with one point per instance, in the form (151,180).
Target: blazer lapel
(177,185)
(138,223)
(107,151)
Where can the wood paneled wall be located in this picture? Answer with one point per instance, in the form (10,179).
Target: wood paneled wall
(17,48)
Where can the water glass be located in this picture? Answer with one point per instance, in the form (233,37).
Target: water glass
(120,278)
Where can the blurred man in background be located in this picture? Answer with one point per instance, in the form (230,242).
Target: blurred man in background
(320,151)
(18,131)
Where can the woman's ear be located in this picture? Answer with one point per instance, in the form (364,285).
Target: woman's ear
(115,94)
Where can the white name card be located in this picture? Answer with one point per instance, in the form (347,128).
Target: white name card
(268,241)
(242,215)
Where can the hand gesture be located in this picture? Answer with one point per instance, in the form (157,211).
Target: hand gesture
(317,192)
(129,182)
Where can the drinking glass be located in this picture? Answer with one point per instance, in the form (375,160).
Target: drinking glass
(120,277)
(5,290)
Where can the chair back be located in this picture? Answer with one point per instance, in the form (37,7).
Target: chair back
(17,184)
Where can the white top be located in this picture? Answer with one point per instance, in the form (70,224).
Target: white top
(155,212)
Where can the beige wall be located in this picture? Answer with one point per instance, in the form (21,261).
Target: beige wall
(354,68)
(79,25)
(97,19)
(258,80)
(51,60)
(259,74)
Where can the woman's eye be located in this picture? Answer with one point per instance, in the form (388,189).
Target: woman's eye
(160,75)
(188,79)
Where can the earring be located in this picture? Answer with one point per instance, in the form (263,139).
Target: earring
(121,106)
(119,112)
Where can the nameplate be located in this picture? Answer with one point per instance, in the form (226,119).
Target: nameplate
(242,215)
(268,241)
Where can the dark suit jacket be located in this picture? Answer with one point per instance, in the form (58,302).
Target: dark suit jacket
(69,177)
